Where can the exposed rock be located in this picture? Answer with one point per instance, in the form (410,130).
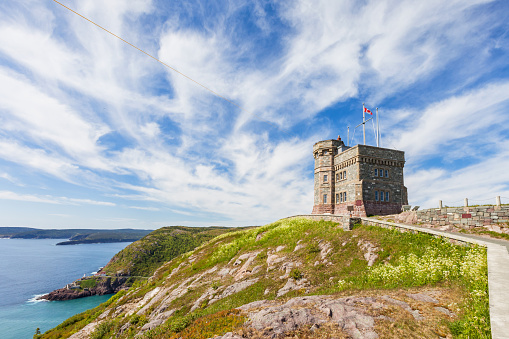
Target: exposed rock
(298,247)
(274,319)
(224,271)
(405,306)
(149,299)
(244,270)
(280,248)
(293,284)
(232,289)
(104,285)
(325,248)
(153,324)
(229,335)
(445,311)
(287,268)
(422,297)
(260,236)
(274,259)
(370,251)
(256,269)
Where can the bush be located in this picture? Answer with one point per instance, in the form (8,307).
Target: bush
(295,274)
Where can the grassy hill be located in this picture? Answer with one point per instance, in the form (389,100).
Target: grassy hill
(143,257)
(300,278)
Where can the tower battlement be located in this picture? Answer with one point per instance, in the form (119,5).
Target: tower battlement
(359,181)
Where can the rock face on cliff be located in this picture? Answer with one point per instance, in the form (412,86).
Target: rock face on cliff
(103,285)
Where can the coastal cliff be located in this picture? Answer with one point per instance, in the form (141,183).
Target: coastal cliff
(90,286)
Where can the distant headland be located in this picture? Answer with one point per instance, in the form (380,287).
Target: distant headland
(74,236)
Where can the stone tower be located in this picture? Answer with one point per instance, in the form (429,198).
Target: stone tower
(358,181)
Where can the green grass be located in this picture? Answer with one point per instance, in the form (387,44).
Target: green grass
(88,283)
(492,234)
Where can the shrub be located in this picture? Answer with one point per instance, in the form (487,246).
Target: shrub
(295,274)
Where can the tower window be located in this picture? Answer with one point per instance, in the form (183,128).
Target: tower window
(376,195)
(337,177)
(387,196)
(386,173)
(376,172)
(325,198)
(337,198)
(344,196)
(344,174)
(381,171)
(325,178)
(381,196)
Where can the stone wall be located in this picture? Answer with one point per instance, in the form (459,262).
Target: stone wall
(464,217)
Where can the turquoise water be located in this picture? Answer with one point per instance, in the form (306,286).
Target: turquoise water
(29,268)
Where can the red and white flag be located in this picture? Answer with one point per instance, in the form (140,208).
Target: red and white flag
(367,111)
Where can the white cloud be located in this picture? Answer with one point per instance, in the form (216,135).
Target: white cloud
(48,199)
(152,209)
(480,183)
(445,127)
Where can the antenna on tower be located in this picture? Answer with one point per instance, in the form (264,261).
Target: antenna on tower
(377,130)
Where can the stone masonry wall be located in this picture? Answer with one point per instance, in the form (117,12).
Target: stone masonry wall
(465,217)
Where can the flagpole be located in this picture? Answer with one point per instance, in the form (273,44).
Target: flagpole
(364,123)
(348,137)
(377,130)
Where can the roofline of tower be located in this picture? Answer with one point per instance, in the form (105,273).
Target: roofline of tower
(328,140)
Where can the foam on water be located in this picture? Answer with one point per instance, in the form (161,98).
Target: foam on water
(35,299)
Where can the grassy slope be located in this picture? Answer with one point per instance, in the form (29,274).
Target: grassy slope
(144,256)
(408,262)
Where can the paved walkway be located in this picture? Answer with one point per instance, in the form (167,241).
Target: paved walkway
(498,266)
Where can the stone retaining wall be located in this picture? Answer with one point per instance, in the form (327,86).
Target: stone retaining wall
(465,217)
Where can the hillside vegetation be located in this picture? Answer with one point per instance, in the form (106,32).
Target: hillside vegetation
(144,256)
(297,278)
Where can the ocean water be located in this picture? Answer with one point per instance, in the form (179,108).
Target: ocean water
(29,268)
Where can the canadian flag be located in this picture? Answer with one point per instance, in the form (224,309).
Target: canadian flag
(367,111)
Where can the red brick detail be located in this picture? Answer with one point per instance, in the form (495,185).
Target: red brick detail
(358,203)
(358,211)
(466,216)
(321,209)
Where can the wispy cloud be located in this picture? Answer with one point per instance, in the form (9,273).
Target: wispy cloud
(47,199)
(83,111)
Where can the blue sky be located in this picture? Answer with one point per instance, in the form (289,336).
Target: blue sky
(94,133)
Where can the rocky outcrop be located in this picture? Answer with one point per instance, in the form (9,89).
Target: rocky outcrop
(355,316)
(104,285)
(370,251)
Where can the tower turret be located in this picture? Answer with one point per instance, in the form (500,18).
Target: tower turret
(324,152)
